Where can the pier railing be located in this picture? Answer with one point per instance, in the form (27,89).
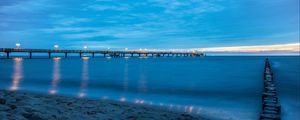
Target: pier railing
(104,52)
(271,109)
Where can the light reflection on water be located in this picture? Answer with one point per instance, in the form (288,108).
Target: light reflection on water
(141,85)
(55,76)
(125,83)
(18,74)
(85,78)
(142,82)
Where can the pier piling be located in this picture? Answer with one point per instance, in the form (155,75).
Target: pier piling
(49,55)
(30,55)
(7,55)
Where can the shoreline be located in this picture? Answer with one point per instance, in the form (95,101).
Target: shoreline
(37,106)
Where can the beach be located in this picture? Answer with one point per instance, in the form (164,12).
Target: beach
(35,106)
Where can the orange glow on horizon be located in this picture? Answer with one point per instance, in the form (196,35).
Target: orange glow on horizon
(293,47)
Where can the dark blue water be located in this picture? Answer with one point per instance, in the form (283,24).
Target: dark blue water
(219,87)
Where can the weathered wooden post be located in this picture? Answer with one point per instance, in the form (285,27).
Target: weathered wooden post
(93,54)
(80,54)
(49,55)
(30,55)
(66,54)
(7,55)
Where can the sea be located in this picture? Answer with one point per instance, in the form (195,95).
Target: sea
(217,87)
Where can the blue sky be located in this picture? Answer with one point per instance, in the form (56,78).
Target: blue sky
(152,24)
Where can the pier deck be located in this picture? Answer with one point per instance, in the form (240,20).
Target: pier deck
(105,53)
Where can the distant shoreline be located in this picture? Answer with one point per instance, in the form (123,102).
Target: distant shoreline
(28,105)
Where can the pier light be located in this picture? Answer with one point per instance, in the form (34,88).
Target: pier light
(56,46)
(18,45)
(85,47)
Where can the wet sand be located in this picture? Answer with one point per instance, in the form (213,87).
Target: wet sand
(36,106)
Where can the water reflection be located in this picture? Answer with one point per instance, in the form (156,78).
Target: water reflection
(122,99)
(85,78)
(125,83)
(142,87)
(18,74)
(85,58)
(191,109)
(170,106)
(55,76)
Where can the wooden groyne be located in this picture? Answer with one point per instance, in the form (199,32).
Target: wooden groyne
(271,109)
(105,53)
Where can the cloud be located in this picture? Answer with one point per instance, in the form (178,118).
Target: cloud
(26,6)
(9,2)
(67,29)
(114,32)
(187,7)
(71,21)
(99,7)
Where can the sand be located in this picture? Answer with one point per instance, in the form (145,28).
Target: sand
(36,106)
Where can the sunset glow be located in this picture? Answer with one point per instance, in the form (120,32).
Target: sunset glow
(293,47)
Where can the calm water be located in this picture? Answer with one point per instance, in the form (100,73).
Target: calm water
(221,87)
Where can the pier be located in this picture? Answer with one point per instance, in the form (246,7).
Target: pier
(271,109)
(105,53)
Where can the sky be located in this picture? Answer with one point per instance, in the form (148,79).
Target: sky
(208,25)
